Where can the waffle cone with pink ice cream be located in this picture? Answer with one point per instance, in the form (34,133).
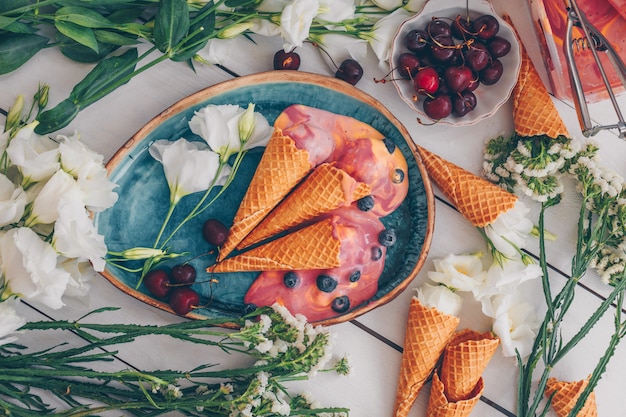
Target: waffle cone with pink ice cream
(478,200)
(428,331)
(565,394)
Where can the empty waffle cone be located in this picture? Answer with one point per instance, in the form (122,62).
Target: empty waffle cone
(565,396)
(440,406)
(464,359)
(534,113)
(281,167)
(477,199)
(427,332)
(326,189)
(313,247)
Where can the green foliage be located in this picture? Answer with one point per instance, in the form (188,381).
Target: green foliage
(16,49)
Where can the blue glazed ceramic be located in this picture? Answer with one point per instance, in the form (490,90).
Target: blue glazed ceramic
(135,219)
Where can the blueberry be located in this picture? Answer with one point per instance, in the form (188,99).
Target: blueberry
(248,308)
(387,237)
(291,279)
(389,145)
(377,253)
(398,176)
(355,276)
(366,203)
(326,283)
(341,304)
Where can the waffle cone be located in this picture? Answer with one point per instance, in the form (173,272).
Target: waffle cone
(566,394)
(281,167)
(312,247)
(427,332)
(477,199)
(534,113)
(464,359)
(326,189)
(440,406)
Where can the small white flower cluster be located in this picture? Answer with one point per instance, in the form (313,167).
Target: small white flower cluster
(48,242)
(496,288)
(529,166)
(330,24)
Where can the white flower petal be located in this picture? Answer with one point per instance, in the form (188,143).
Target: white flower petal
(440,297)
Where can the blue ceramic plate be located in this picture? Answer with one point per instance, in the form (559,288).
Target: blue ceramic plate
(135,219)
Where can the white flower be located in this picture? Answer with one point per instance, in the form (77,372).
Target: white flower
(272,6)
(29,267)
(219,127)
(335,10)
(36,157)
(514,322)
(504,278)
(77,158)
(337,48)
(12,201)
(45,209)
(415,5)
(4,139)
(383,32)
(9,320)
(509,231)
(75,236)
(189,168)
(264,27)
(81,272)
(295,22)
(440,297)
(460,272)
(388,4)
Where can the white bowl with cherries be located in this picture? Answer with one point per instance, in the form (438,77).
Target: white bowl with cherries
(454,64)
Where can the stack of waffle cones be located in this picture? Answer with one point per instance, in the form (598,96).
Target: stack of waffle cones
(564,397)
(477,199)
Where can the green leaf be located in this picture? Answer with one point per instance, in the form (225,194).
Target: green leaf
(83,17)
(56,118)
(8,5)
(81,53)
(171,24)
(6,21)
(105,75)
(19,27)
(114,38)
(80,34)
(16,49)
(238,3)
(203,26)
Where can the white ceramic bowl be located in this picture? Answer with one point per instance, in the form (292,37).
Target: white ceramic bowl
(489,97)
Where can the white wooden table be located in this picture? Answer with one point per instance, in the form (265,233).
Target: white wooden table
(372,341)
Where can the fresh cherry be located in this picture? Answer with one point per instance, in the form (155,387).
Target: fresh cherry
(438,107)
(183,300)
(183,274)
(461,27)
(485,26)
(458,78)
(438,27)
(426,81)
(157,282)
(492,72)
(443,48)
(498,47)
(408,65)
(286,60)
(463,103)
(416,41)
(214,232)
(474,83)
(350,71)
(477,56)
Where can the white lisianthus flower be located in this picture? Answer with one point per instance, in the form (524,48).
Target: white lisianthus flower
(335,10)
(10,321)
(45,208)
(77,158)
(514,322)
(12,201)
(217,51)
(337,48)
(509,231)
(381,36)
(460,272)
(388,4)
(440,297)
(36,157)
(75,236)
(504,278)
(81,273)
(415,5)
(264,27)
(189,167)
(219,126)
(295,22)
(272,6)
(29,267)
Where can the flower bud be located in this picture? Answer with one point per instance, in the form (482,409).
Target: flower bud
(141,253)
(14,117)
(234,30)
(41,97)
(246,123)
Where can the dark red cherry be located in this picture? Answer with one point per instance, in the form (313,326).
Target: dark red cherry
(477,56)
(485,26)
(426,81)
(183,274)
(416,41)
(492,72)
(438,27)
(438,107)
(408,64)
(458,78)
(461,27)
(214,232)
(442,49)
(498,47)
(183,300)
(350,71)
(157,282)
(286,60)
(463,103)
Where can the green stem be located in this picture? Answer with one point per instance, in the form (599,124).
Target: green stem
(168,216)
